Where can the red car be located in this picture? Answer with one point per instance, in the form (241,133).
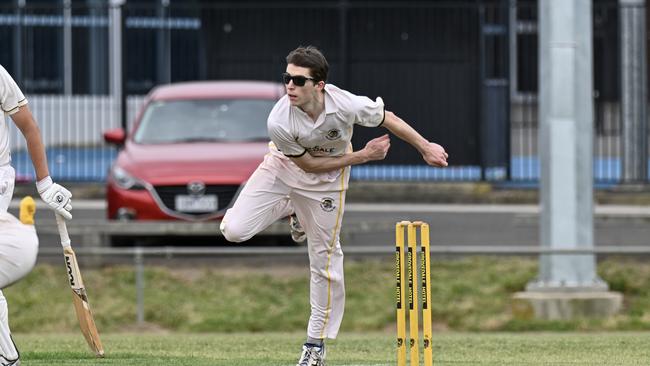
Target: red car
(192,148)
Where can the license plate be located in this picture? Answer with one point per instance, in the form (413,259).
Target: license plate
(207,203)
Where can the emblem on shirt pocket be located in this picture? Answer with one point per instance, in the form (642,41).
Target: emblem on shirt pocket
(333,134)
(327,204)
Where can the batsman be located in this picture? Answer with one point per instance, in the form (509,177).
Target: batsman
(17,251)
(305,176)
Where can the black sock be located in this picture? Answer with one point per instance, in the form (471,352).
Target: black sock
(315,341)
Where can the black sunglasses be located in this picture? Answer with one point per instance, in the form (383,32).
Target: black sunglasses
(298,80)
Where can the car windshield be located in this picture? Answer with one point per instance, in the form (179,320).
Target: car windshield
(224,120)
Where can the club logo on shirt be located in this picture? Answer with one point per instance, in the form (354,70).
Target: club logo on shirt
(333,134)
(327,204)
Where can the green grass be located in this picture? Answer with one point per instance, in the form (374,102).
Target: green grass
(234,316)
(469,294)
(370,348)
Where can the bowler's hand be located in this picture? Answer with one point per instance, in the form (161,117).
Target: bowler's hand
(435,155)
(376,149)
(57,197)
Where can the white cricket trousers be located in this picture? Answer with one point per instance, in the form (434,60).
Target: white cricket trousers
(18,249)
(265,199)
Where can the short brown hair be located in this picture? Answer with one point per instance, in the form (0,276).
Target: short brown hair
(311,58)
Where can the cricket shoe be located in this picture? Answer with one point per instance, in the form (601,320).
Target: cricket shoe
(297,232)
(312,355)
(5,362)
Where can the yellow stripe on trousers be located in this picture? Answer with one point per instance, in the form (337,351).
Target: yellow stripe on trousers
(328,309)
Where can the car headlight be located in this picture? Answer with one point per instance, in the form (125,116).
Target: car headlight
(125,180)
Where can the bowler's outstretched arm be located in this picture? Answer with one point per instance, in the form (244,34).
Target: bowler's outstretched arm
(432,153)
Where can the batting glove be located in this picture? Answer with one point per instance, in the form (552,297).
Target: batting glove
(57,197)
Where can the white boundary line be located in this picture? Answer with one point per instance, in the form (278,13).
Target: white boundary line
(76,204)
(608,210)
(460,208)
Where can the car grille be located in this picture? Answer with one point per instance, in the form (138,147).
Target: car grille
(225,194)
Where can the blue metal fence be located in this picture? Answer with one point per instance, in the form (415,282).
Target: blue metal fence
(92,164)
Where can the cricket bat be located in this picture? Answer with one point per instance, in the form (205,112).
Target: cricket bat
(79,297)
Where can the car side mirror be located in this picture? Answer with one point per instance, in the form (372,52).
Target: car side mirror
(115,136)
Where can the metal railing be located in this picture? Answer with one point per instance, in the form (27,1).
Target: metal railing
(140,253)
(371,250)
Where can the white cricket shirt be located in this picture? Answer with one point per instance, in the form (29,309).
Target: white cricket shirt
(293,133)
(11,99)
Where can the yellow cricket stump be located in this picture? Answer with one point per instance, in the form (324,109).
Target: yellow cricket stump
(425,277)
(414,330)
(411,277)
(399,292)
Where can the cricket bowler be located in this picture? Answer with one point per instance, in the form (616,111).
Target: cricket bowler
(305,176)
